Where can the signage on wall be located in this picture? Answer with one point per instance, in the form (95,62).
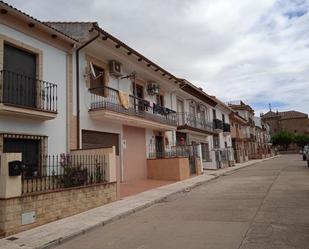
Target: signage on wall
(124,143)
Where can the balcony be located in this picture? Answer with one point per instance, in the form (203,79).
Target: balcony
(24,96)
(252,137)
(218,125)
(226,129)
(251,122)
(109,103)
(189,121)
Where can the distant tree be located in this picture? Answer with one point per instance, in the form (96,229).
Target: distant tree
(301,140)
(282,138)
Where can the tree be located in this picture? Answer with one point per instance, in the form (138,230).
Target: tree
(301,140)
(283,138)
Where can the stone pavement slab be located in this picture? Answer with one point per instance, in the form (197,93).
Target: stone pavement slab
(54,233)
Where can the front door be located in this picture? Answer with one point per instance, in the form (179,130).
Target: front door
(19,77)
(192,157)
(29,148)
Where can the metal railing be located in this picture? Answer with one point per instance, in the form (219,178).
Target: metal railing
(226,127)
(23,91)
(226,154)
(63,171)
(194,121)
(171,151)
(108,98)
(218,124)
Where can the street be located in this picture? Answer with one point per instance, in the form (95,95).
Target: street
(264,206)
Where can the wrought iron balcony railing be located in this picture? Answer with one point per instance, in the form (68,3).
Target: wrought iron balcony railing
(218,124)
(226,127)
(194,121)
(109,99)
(26,92)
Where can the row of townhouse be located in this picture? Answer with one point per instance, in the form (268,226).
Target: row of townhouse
(71,88)
(250,134)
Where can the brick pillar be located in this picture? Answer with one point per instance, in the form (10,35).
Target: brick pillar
(110,170)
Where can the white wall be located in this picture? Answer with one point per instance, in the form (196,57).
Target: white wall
(54,70)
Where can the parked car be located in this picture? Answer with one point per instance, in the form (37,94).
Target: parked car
(305,154)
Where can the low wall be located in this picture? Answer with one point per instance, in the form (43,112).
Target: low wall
(114,174)
(51,206)
(169,169)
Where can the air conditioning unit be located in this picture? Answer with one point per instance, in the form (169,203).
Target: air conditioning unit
(153,88)
(115,68)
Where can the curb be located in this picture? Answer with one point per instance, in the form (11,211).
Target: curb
(149,203)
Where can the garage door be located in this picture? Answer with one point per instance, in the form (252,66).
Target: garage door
(96,139)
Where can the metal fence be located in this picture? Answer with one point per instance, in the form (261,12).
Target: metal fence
(171,151)
(108,98)
(24,91)
(64,171)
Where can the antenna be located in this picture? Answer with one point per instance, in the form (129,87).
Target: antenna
(270,107)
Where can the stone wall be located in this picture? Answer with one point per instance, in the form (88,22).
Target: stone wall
(52,206)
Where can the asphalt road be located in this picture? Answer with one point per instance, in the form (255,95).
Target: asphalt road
(264,206)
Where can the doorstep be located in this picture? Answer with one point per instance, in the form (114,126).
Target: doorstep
(54,233)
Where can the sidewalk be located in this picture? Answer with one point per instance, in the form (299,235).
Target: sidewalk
(54,233)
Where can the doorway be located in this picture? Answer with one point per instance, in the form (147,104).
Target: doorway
(19,77)
(159,146)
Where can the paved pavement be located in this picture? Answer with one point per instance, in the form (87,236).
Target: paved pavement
(260,207)
(57,232)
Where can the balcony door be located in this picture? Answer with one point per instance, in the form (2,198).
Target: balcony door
(192,115)
(180,112)
(97,80)
(138,92)
(19,77)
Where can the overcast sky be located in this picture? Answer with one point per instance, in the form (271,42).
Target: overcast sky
(254,50)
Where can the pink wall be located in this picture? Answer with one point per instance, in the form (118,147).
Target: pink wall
(134,155)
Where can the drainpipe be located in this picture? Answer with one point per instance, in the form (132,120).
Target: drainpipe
(77,88)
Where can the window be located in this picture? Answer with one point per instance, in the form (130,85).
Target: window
(31,147)
(19,76)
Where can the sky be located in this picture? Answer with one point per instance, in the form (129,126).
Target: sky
(256,51)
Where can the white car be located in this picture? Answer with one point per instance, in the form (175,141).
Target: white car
(305,152)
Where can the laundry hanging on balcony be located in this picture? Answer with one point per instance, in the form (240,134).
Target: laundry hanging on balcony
(124,99)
